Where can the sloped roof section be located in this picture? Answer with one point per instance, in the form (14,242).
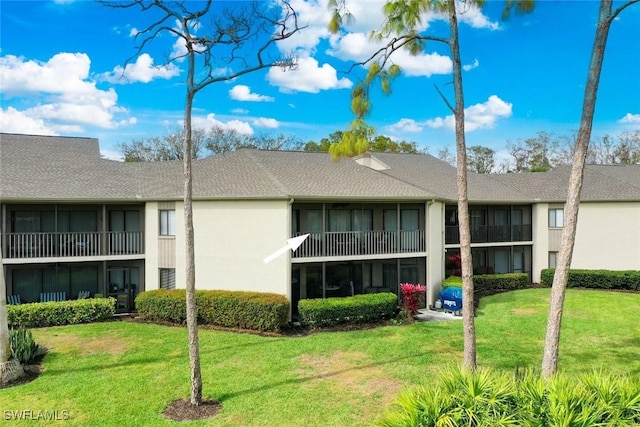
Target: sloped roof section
(59,168)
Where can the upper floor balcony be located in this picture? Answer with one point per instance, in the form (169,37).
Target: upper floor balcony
(351,243)
(72,244)
(491,224)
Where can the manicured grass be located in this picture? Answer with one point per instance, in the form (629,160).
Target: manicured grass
(125,373)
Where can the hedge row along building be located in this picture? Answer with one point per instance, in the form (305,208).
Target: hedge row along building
(73,222)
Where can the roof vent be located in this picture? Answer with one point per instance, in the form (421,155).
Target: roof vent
(371,162)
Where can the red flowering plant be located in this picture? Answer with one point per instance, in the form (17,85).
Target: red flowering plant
(411,297)
(456,261)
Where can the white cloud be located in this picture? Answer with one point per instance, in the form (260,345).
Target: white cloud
(133,32)
(308,77)
(209,121)
(405,125)
(240,111)
(630,118)
(472,15)
(243,93)
(143,70)
(14,121)
(265,122)
(469,67)
(478,116)
(59,94)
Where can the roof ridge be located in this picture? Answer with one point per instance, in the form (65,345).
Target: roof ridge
(251,154)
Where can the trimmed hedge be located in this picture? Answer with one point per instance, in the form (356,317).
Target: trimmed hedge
(257,311)
(500,282)
(363,308)
(41,314)
(491,282)
(596,279)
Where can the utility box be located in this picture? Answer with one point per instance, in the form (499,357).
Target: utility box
(451,299)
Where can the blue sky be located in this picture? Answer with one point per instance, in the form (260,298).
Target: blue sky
(61,66)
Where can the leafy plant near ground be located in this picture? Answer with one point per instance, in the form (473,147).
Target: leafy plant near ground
(411,296)
(598,279)
(258,311)
(489,398)
(42,314)
(24,347)
(327,312)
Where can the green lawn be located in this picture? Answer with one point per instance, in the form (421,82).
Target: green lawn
(125,373)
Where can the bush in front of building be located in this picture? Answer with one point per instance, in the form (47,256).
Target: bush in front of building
(41,314)
(258,311)
(597,279)
(500,282)
(365,308)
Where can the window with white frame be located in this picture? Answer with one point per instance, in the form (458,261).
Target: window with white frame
(167,278)
(168,223)
(553,259)
(556,218)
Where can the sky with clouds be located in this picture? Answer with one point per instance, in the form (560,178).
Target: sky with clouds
(66,68)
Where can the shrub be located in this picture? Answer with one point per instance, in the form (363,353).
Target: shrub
(411,296)
(233,309)
(500,282)
(41,314)
(597,279)
(487,398)
(452,281)
(364,308)
(24,348)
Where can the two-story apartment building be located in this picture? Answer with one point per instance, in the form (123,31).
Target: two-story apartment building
(72,221)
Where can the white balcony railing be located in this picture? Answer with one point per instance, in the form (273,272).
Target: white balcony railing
(73,244)
(349,243)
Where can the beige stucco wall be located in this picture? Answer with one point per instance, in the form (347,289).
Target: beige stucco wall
(608,236)
(540,236)
(151,231)
(435,250)
(231,240)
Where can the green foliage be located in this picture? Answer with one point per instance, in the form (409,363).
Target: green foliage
(452,281)
(24,348)
(597,279)
(364,308)
(489,398)
(500,282)
(233,309)
(40,314)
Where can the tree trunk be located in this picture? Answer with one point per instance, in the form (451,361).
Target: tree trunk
(552,338)
(10,369)
(190,272)
(469,354)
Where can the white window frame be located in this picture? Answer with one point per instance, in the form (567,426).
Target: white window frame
(168,222)
(556,218)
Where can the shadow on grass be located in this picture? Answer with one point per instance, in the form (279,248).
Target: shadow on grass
(307,379)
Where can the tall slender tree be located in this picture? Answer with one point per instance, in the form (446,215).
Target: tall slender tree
(10,369)
(401,28)
(242,39)
(552,338)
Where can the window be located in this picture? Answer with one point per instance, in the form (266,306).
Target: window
(553,259)
(167,278)
(168,223)
(556,218)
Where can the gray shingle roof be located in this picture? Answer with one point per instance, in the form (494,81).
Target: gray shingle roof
(50,168)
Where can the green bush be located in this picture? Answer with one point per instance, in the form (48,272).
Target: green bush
(452,281)
(597,279)
(41,314)
(257,311)
(500,282)
(23,347)
(364,308)
(489,398)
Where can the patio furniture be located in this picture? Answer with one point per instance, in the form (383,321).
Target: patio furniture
(14,299)
(84,294)
(53,296)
